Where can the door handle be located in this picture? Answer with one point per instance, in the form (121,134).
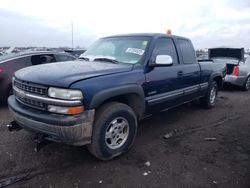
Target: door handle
(180,73)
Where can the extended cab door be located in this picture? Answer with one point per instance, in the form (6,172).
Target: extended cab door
(162,87)
(189,77)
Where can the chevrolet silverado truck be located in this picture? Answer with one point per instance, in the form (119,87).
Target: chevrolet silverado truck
(98,100)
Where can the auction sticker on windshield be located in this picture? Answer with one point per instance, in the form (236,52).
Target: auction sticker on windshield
(135,51)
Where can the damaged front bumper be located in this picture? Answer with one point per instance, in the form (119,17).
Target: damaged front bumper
(69,129)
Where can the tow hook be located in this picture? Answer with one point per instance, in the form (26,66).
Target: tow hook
(40,142)
(13,126)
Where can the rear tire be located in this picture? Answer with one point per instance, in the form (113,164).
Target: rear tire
(209,101)
(246,85)
(114,130)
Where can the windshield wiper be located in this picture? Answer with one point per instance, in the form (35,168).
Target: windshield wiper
(106,59)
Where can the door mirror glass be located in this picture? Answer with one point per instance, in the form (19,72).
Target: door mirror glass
(163,60)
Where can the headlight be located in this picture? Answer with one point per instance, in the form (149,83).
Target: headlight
(68,94)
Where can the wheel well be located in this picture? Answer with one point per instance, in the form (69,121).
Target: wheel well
(218,80)
(131,99)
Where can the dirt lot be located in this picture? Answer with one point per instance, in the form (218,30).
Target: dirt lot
(186,159)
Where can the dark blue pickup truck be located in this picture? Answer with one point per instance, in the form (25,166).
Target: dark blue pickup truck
(98,99)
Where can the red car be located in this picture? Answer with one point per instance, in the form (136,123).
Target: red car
(10,63)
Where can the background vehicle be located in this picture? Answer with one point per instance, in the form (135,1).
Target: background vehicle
(120,80)
(202,55)
(12,62)
(238,70)
(75,52)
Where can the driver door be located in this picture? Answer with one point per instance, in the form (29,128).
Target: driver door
(162,88)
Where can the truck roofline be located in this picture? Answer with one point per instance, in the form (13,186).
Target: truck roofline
(153,35)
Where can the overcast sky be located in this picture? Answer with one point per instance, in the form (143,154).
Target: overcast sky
(208,23)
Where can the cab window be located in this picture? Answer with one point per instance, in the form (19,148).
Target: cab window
(164,46)
(187,51)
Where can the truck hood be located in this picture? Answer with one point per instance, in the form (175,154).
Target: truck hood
(234,53)
(63,74)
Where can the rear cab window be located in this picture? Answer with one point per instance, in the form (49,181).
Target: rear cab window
(187,51)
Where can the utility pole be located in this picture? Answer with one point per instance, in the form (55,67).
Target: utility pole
(72,35)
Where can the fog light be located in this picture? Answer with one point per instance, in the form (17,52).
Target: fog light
(65,110)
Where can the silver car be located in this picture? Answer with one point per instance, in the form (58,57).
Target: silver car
(238,69)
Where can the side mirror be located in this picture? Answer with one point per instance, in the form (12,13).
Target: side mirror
(162,60)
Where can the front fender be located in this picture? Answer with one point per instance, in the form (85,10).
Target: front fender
(104,95)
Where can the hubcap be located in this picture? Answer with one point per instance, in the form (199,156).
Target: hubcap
(213,94)
(248,83)
(117,133)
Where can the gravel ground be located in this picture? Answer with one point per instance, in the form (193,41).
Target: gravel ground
(205,148)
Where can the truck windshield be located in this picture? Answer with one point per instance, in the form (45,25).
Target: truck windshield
(117,50)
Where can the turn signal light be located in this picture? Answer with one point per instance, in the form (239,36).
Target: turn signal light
(236,70)
(66,110)
(75,110)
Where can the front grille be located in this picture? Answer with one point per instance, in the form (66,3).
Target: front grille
(32,103)
(30,88)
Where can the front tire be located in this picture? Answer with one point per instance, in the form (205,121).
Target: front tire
(209,101)
(114,130)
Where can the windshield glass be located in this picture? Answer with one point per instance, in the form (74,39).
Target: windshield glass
(117,49)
